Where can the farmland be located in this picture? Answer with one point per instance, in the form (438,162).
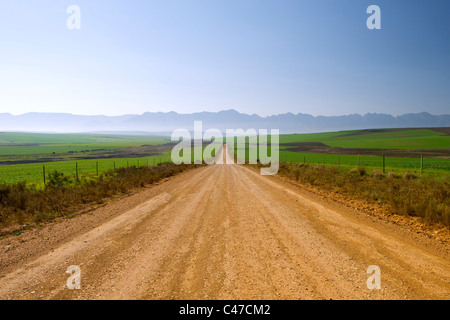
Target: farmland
(24,155)
(33,172)
(392,164)
(431,138)
(17,144)
(402,149)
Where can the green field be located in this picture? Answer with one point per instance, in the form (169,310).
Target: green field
(14,144)
(67,138)
(34,172)
(403,139)
(57,152)
(392,164)
(47,149)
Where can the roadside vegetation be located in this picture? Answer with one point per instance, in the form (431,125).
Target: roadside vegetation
(436,167)
(63,195)
(403,194)
(33,172)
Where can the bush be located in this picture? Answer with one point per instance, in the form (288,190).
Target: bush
(57,179)
(362,171)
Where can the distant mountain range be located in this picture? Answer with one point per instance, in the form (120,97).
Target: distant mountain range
(158,122)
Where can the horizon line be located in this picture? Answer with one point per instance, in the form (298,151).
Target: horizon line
(224,110)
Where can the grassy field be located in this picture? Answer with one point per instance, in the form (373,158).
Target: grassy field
(341,149)
(34,172)
(376,139)
(23,155)
(436,167)
(392,164)
(15,144)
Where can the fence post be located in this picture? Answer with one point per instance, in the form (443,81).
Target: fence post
(421,164)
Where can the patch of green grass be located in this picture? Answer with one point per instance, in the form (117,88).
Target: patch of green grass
(394,164)
(39,143)
(19,150)
(403,139)
(435,167)
(69,138)
(33,173)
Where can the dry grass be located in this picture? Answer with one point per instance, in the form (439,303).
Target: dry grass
(21,203)
(425,197)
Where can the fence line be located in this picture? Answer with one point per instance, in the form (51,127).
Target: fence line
(421,165)
(97,170)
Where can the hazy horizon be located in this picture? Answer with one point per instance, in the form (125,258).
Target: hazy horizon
(225,110)
(226,119)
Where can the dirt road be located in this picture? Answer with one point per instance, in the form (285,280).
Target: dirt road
(222,232)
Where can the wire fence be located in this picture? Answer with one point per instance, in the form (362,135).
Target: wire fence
(382,163)
(420,164)
(38,173)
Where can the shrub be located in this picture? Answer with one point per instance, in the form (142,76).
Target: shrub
(57,179)
(362,171)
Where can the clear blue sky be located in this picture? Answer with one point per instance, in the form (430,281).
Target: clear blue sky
(255,56)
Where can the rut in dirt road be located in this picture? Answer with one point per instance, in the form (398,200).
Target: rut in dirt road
(226,232)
